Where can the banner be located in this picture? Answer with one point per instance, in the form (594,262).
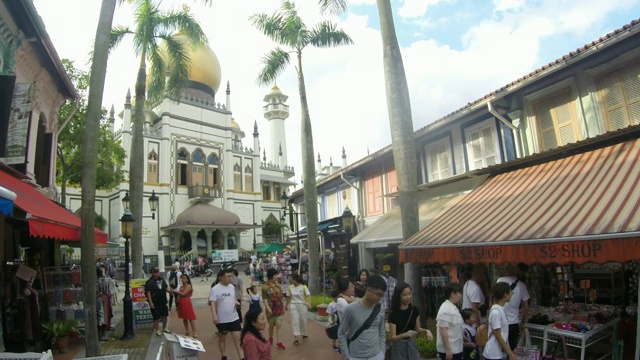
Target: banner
(18,130)
(141,308)
(224,255)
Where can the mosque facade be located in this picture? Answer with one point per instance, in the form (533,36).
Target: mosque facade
(216,190)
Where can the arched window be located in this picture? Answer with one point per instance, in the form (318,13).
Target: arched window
(197,167)
(248,178)
(237,177)
(213,171)
(182,166)
(152,167)
(266,191)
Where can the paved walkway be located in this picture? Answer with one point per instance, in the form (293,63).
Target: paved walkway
(317,346)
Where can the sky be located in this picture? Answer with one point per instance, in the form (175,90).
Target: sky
(454,52)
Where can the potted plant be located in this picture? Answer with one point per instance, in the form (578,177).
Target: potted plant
(58,332)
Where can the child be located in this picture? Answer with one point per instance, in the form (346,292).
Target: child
(470,348)
(332,310)
(254,298)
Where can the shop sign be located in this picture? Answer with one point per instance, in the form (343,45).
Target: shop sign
(141,308)
(18,131)
(224,255)
(593,295)
(578,252)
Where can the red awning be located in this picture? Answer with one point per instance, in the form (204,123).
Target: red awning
(46,218)
(581,208)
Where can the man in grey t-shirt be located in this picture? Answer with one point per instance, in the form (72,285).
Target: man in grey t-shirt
(371,343)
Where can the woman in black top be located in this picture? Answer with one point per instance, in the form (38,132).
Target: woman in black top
(404,325)
(361,282)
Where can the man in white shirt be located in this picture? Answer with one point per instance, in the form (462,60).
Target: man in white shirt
(222,298)
(472,295)
(173,279)
(519,298)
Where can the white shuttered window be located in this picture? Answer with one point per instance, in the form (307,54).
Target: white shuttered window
(556,120)
(620,94)
(482,145)
(439,165)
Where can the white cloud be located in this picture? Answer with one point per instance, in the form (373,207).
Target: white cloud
(345,86)
(508,5)
(415,8)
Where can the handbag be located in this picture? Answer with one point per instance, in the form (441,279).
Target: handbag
(332,329)
(524,350)
(366,324)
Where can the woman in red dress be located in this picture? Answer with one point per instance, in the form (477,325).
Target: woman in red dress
(185,307)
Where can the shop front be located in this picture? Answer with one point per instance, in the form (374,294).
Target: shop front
(575,221)
(31,240)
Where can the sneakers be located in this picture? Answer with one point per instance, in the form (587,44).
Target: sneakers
(335,348)
(224,358)
(159,332)
(166,331)
(280,346)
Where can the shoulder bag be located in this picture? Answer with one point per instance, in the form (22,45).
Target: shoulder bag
(366,324)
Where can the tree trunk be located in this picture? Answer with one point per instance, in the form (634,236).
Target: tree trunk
(89,166)
(403,142)
(310,192)
(136,169)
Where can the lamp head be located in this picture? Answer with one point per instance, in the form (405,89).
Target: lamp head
(126,224)
(125,201)
(347,220)
(284,199)
(153,201)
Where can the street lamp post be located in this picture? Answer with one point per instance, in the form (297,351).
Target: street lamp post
(286,202)
(126,224)
(347,227)
(154,202)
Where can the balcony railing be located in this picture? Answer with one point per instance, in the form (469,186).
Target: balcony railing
(205,192)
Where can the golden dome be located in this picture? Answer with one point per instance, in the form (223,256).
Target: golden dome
(234,124)
(204,66)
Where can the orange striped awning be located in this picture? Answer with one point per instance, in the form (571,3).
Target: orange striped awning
(582,208)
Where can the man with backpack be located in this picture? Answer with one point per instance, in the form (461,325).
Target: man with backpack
(519,298)
(362,332)
(273,299)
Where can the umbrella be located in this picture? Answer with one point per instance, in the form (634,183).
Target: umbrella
(273,247)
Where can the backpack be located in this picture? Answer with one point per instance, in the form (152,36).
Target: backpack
(275,302)
(482,333)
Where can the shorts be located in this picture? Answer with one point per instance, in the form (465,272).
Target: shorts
(225,328)
(272,320)
(159,311)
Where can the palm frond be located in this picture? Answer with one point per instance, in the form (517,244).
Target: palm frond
(185,23)
(269,25)
(326,34)
(117,34)
(178,69)
(274,64)
(157,76)
(334,7)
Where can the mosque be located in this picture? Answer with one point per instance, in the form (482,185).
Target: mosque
(215,191)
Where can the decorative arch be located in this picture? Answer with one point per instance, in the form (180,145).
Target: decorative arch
(182,167)
(213,171)
(248,178)
(237,177)
(152,166)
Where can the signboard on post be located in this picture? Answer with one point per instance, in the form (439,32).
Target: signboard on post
(224,255)
(141,308)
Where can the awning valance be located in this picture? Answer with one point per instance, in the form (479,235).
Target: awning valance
(46,218)
(431,203)
(582,208)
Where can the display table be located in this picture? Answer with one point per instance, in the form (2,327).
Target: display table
(578,340)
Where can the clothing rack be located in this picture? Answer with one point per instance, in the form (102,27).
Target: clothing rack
(435,281)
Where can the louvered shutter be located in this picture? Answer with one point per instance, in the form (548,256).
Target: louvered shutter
(620,94)
(631,78)
(547,128)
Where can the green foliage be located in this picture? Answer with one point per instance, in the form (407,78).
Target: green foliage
(318,299)
(111,155)
(426,348)
(59,328)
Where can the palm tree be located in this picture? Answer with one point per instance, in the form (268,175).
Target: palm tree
(401,124)
(89,173)
(153,26)
(285,28)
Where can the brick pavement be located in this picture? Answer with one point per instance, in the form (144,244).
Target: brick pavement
(317,346)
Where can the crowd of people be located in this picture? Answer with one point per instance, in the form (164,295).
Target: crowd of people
(358,313)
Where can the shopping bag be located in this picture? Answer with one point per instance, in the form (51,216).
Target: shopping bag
(332,331)
(524,350)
